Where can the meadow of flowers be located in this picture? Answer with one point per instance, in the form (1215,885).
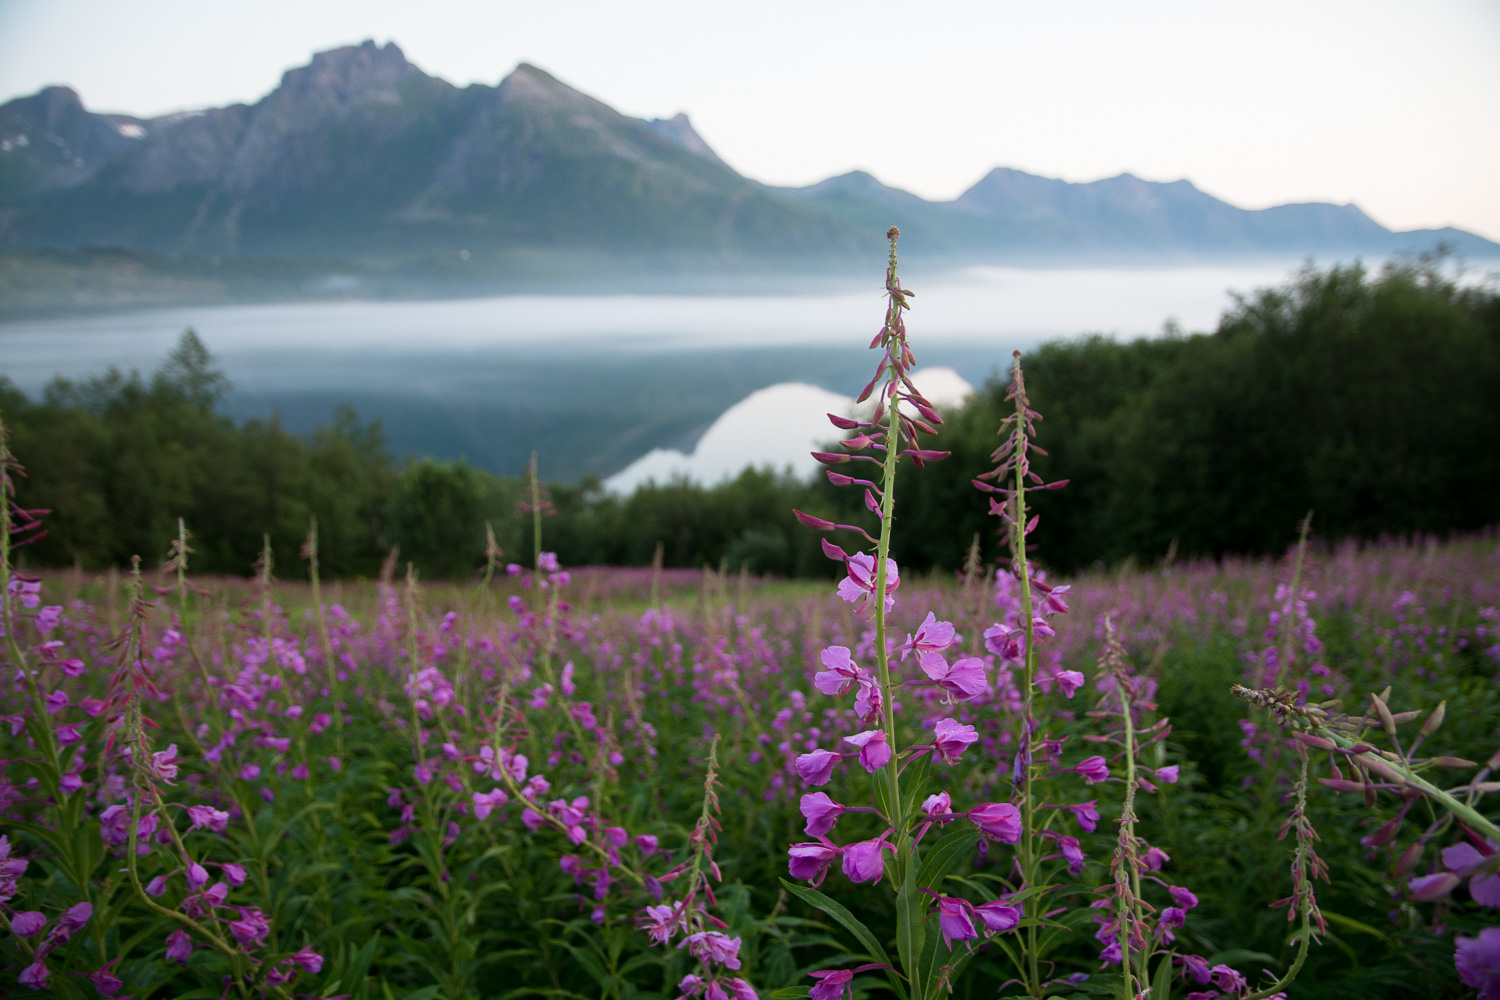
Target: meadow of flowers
(1233,779)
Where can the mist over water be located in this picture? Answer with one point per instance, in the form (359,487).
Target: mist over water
(596,382)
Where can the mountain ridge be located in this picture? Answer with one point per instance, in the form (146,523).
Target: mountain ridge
(361,155)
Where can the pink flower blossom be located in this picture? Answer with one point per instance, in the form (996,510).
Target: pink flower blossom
(951,739)
(874,753)
(816,767)
(1092,769)
(955,920)
(821,813)
(831,986)
(998,821)
(487,802)
(27,924)
(207,817)
(1087,815)
(179,946)
(841,674)
(998,916)
(811,861)
(864,862)
(931,639)
(858,588)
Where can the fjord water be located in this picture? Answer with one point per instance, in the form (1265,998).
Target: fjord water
(596,382)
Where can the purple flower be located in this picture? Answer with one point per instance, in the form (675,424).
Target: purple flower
(964,680)
(1072,852)
(955,920)
(1478,962)
(197,876)
(202,817)
(57,701)
(868,701)
(842,672)
(308,960)
(874,752)
(940,804)
(951,739)
(233,874)
(106,983)
(164,764)
(831,986)
(27,924)
(1087,815)
(1173,916)
(999,821)
(1167,775)
(1484,887)
(713,947)
(72,919)
(661,922)
(821,812)
(1183,897)
(998,916)
(1070,681)
(1154,857)
(179,946)
(48,617)
(34,975)
(1430,888)
(858,588)
(1197,967)
(811,861)
(816,768)
(1092,769)
(1228,980)
(741,990)
(487,802)
(251,928)
(931,639)
(864,862)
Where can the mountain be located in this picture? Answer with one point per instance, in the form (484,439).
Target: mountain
(1010,216)
(361,154)
(361,164)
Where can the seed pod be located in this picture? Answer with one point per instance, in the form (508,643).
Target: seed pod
(1435,719)
(1457,763)
(1386,722)
(1409,859)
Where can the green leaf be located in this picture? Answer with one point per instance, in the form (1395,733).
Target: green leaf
(1161,986)
(788,993)
(852,924)
(944,857)
(910,926)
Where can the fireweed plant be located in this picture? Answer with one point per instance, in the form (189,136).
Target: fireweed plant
(511,788)
(926,841)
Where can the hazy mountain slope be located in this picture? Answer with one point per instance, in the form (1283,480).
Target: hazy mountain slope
(361,156)
(360,153)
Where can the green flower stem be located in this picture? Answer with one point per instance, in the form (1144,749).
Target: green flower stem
(882,553)
(1032,974)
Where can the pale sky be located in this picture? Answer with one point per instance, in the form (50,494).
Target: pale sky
(1394,106)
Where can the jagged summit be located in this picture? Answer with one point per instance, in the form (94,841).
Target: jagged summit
(353,72)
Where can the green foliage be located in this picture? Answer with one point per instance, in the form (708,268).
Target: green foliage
(1369,401)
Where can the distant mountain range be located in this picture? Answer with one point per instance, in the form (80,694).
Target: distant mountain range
(365,163)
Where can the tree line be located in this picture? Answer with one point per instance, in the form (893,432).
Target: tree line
(1372,400)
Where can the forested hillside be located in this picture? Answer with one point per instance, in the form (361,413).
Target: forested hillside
(1374,401)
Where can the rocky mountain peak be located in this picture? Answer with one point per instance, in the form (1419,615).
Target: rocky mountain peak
(353,73)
